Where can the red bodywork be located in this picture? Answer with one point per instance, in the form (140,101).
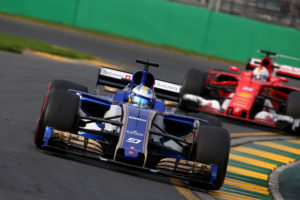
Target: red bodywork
(248,94)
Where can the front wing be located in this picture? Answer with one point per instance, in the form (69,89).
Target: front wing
(65,142)
(210,110)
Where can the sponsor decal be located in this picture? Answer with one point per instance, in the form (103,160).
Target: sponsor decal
(158,84)
(132,147)
(244,94)
(240,102)
(138,119)
(289,69)
(167,86)
(239,105)
(134,133)
(114,73)
(131,152)
(127,76)
(247,89)
(133,140)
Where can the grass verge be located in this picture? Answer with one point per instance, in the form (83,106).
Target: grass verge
(18,44)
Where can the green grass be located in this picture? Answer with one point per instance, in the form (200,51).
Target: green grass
(18,44)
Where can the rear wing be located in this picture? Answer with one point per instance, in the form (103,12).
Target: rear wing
(119,79)
(284,70)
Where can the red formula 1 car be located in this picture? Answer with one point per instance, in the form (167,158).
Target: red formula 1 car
(257,96)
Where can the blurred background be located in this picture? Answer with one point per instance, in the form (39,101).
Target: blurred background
(281,12)
(232,30)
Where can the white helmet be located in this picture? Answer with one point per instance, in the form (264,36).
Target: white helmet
(260,73)
(141,96)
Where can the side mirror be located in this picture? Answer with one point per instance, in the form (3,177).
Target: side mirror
(170,103)
(234,69)
(110,89)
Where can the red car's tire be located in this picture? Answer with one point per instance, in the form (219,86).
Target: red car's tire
(60,111)
(212,146)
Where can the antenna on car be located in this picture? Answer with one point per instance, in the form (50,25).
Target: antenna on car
(147,63)
(268,53)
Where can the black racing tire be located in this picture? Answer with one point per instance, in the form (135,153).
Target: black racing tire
(60,111)
(193,82)
(212,146)
(293,109)
(66,85)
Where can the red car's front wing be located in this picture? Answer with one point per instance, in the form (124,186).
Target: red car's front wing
(217,112)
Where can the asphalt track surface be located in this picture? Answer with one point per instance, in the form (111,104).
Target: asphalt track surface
(29,173)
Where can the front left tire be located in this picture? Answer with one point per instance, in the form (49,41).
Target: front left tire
(66,85)
(212,146)
(60,111)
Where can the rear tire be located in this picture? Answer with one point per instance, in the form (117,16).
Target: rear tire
(212,146)
(60,111)
(66,85)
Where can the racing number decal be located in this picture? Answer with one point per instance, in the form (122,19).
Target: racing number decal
(133,140)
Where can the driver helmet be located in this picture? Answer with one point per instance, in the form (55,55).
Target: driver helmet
(260,73)
(141,96)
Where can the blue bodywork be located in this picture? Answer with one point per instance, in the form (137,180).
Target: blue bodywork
(132,144)
(134,136)
(137,121)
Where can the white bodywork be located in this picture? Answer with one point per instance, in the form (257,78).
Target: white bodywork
(124,75)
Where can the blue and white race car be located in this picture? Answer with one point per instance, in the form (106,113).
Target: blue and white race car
(132,127)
